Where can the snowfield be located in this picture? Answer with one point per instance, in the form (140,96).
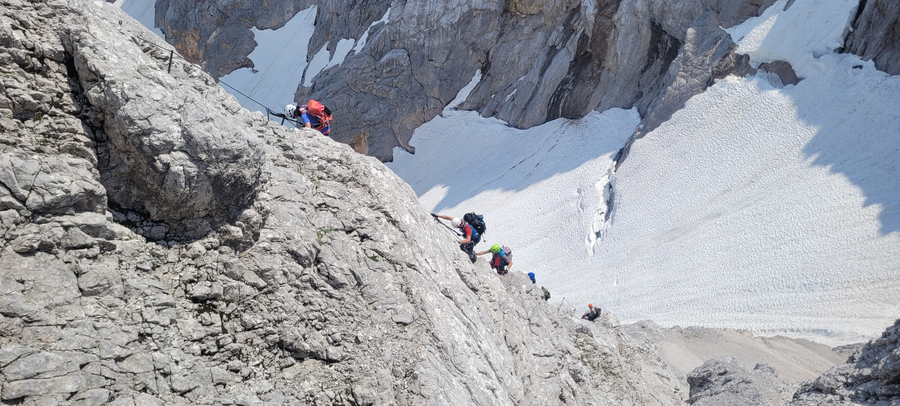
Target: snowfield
(278,62)
(758,206)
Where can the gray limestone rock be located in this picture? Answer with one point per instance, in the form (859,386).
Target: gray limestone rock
(25,388)
(871,376)
(874,34)
(166,150)
(30,243)
(98,396)
(42,363)
(101,278)
(216,34)
(725,381)
(13,352)
(49,184)
(76,239)
(783,70)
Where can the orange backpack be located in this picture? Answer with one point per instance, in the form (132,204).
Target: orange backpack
(320,111)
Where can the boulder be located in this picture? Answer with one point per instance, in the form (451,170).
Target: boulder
(167,151)
(725,381)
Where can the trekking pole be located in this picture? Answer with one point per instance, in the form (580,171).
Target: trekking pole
(560,304)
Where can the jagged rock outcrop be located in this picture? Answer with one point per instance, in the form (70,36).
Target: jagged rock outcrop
(875,34)
(539,60)
(320,282)
(165,150)
(726,381)
(871,377)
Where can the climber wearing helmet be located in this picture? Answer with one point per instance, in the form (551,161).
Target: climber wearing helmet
(501,261)
(313,115)
(592,313)
(470,235)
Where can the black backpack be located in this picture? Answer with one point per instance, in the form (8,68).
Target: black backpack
(477,223)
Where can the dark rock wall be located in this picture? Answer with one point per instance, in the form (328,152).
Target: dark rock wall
(539,59)
(216,34)
(408,71)
(876,34)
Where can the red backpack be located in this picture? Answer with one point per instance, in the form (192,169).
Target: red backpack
(502,257)
(320,111)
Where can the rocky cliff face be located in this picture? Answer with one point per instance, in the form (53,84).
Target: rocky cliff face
(539,59)
(216,34)
(876,34)
(161,245)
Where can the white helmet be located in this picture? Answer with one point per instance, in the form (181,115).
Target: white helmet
(290,109)
(455,222)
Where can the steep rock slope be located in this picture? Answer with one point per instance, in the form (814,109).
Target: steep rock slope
(162,245)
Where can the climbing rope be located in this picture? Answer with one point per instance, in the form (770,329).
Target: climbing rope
(242,94)
(269,112)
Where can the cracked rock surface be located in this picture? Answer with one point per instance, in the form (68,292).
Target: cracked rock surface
(161,245)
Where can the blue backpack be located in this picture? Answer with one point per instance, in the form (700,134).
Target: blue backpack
(503,257)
